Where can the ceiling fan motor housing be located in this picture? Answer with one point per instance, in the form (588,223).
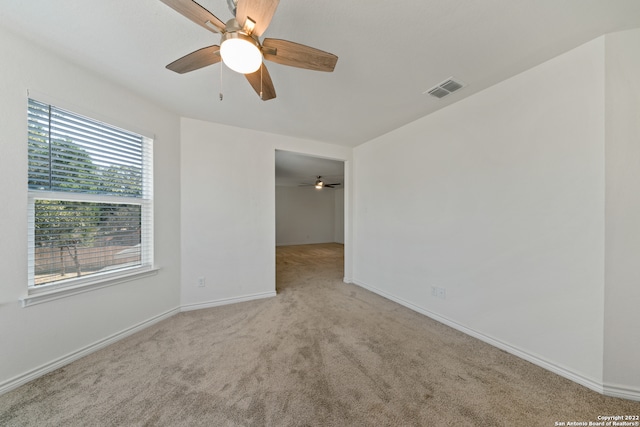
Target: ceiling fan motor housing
(233,5)
(239,34)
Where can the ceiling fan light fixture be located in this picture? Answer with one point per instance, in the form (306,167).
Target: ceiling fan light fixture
(240,52)
(240,48)
(319,183)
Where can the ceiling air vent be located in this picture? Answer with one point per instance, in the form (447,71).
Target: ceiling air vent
(445,88)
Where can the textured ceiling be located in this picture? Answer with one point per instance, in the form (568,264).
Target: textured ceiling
(390,53)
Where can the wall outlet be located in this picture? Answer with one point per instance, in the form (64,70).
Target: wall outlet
(201,282)
(438,292)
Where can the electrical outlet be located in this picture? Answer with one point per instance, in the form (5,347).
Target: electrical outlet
(438,292)
(201,282)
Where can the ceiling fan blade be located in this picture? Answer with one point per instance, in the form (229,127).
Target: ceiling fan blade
(195,60)
(255,79)
(197,14)
(336,183)
(298,55)
(259,11)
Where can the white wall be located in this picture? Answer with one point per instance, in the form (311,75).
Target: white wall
(304,215)
(34,338)
(622,292)
(499,200)
(228,209)
(338,215)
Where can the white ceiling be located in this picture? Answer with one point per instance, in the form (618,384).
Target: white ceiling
(389,54)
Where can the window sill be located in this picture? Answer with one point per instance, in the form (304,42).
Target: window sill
(39,296)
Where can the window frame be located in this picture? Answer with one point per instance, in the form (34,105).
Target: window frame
(71,286)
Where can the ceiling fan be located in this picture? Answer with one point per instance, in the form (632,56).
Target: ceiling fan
(321,184)
(240,47)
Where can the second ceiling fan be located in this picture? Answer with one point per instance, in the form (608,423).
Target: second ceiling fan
(240,47)
(319,184)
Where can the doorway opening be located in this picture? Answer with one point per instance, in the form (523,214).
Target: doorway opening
(310,213)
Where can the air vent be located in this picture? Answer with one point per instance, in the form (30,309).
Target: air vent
(445,88)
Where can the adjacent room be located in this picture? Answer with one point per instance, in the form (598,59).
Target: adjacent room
(309,200)
(416,213)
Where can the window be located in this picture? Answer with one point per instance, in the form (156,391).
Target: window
(90,199)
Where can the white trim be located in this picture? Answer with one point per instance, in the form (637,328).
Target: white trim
(83,197)
(523,354)
(21,379)
(46,293)
(33,374)
(226,301)
(613,390)
(623,392)
(347,280)
(305,243)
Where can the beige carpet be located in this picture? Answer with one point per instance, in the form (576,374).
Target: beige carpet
(321,353)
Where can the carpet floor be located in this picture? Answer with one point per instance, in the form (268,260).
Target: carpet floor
(321,353)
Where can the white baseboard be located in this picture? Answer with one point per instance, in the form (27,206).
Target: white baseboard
(523,354)
(19,380)
(347,280)
(32,374)
(306,243)
(297,243)
(613,390)
(616,390)
(225,301)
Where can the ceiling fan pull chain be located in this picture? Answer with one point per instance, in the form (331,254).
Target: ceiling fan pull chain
(261,82)
(221,96)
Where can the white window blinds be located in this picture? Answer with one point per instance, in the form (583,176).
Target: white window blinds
(90,197)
